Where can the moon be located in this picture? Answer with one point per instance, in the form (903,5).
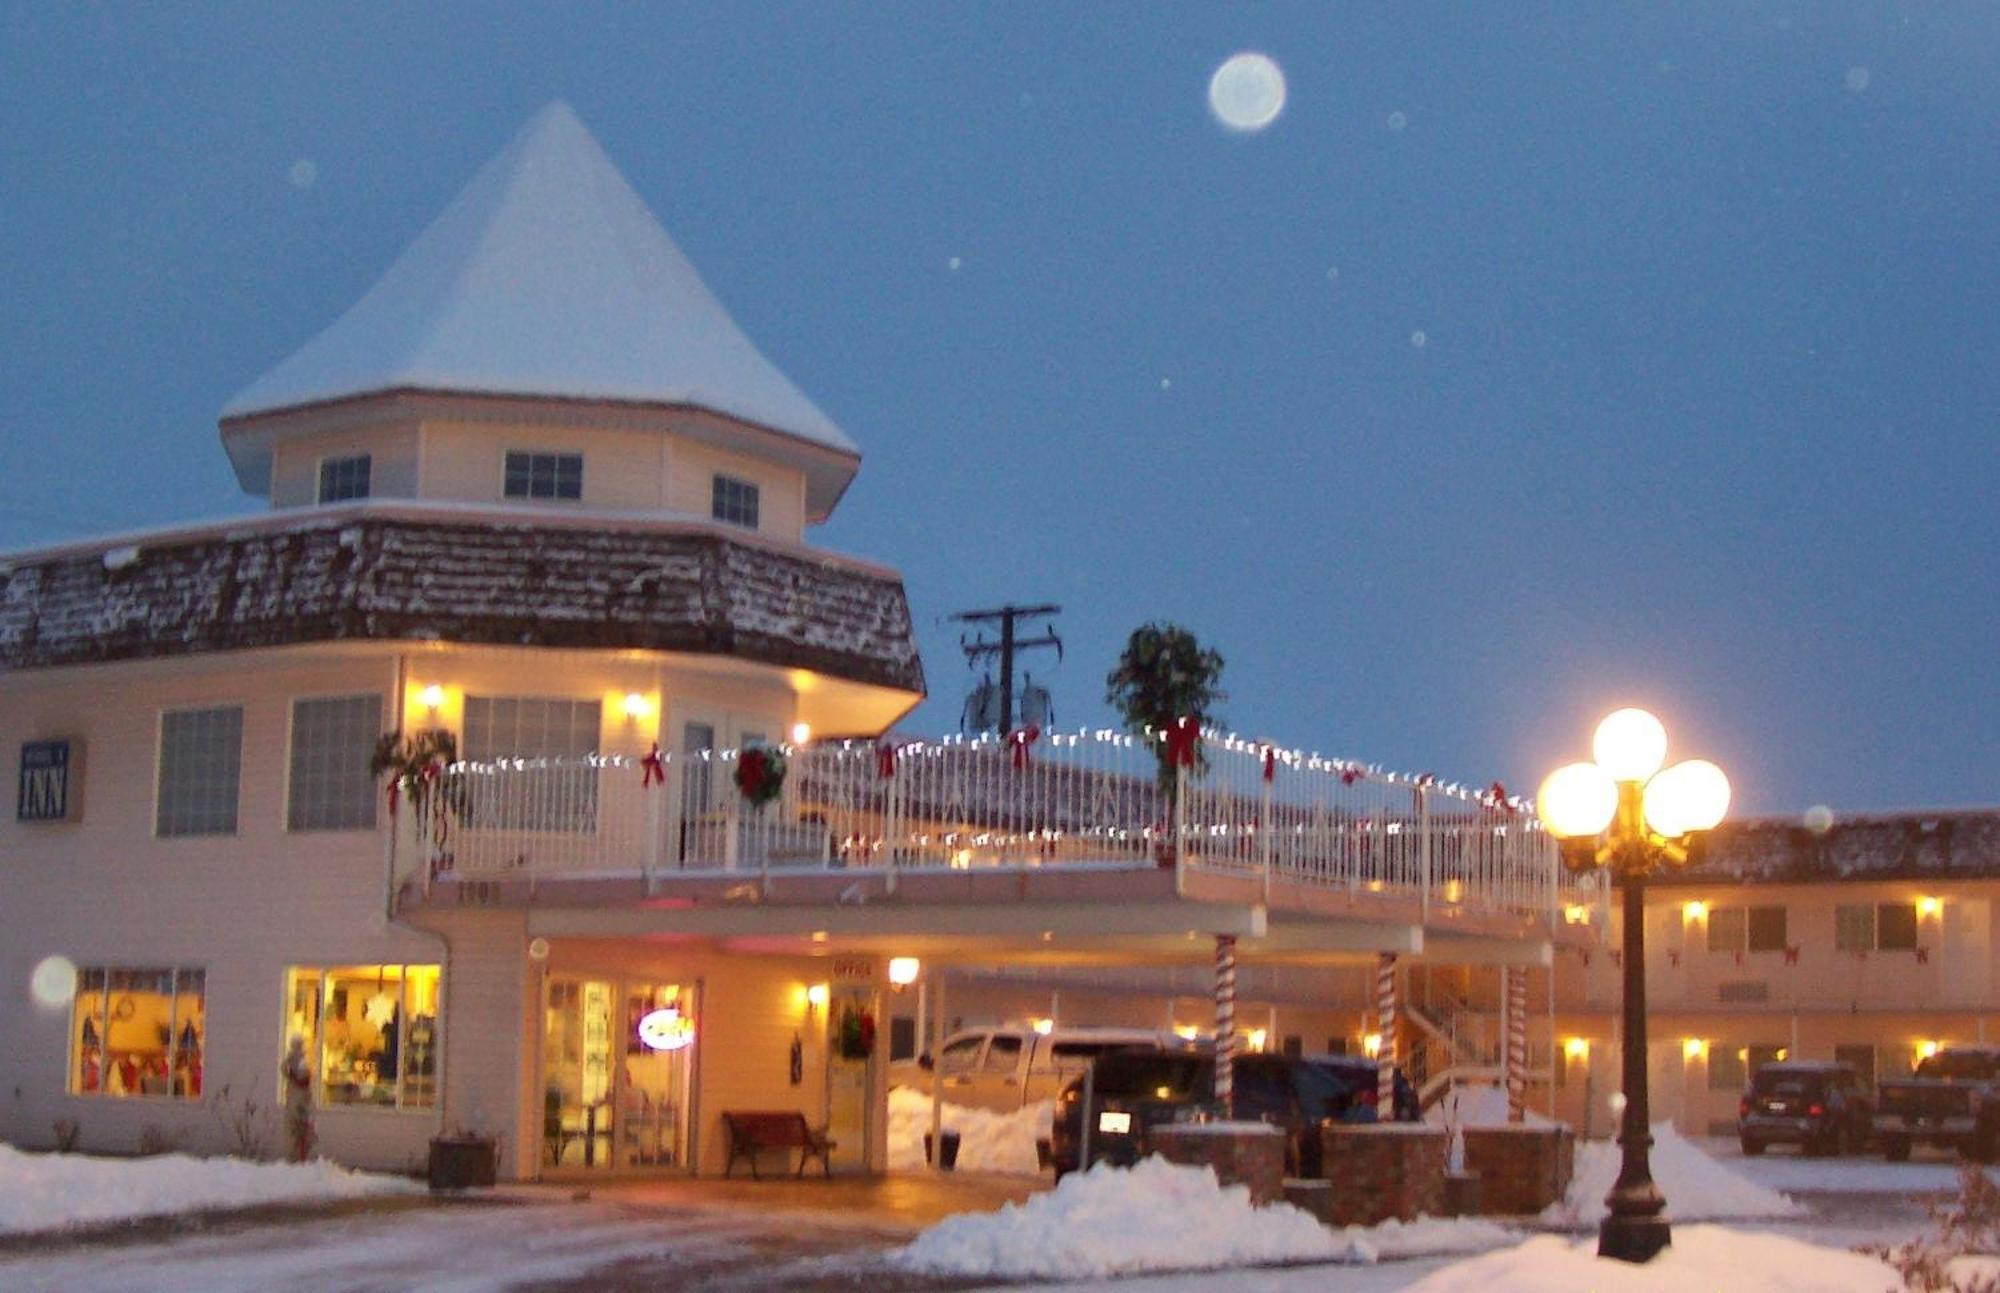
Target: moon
(1247,92)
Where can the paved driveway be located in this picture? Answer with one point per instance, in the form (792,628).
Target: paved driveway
(697,1235)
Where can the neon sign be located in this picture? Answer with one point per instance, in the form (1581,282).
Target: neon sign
(665,1030)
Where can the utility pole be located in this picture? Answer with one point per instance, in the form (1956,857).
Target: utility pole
(1009,644)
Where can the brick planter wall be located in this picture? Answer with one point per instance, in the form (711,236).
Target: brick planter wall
(1522,1169)
(1242,1153)
(1381,1171)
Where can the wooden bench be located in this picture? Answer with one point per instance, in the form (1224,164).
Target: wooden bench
(753,1130)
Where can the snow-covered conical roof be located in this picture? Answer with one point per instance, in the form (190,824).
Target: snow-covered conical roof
(546,276)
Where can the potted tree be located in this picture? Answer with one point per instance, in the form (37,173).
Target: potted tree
(1165,676)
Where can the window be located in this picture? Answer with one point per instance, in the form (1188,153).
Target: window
(1726,929)
(1728,1067)
(370,1032)
(332,739)
(1865,927)
(1746,929)
(561,797)
(1004,1055)
(201,754)
(1861,1058)
(960,1056)
(1767,929)
(902,1038)
(1853,928)
(343,478)
(1896,927)
(545,475)
(138,1032)
(1759,1056)
(734,501)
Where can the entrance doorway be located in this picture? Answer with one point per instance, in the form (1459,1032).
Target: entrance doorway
(850,1073)
(618,1074)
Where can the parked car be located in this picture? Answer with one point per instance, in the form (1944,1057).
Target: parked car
(1134,1091)
(1823,1108)
(1953,1100)
(1008,1066)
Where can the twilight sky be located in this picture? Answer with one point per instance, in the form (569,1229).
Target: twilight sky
(1521,368)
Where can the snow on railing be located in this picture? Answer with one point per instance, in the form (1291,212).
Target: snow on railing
(1030,799)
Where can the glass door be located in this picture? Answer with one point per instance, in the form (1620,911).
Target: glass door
(659,1049)
(617,1074)
(850,1066)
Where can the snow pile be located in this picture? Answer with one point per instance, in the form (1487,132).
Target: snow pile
(1697,1187)
(55,1191)
(1159,1216)
(987,1141)
(1478,1106)
(1702,1257)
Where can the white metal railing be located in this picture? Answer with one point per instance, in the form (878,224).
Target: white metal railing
(1091,797)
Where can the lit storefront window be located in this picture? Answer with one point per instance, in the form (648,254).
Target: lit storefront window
(372,1031)
(138,1033)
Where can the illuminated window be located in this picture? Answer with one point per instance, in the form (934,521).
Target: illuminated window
(138,1033)
(370,1031)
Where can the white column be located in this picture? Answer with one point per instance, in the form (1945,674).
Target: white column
(1385,1024)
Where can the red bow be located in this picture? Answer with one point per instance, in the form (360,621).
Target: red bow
(395,794)
(653,768)
(1021,740)
(1496,798)
(1586,956)
(1923,956)
(1183,735)
(1792,955)
(885,761)
(1618,957)
(1673,957)
(1349,776)
(1270,764)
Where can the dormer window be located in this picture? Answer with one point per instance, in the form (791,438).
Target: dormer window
(545,475)
(734,501)
(343,478)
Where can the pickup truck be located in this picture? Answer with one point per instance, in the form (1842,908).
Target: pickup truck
(1010,1066)
(1953,1100)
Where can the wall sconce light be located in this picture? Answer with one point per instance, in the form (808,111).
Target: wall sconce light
(1929,907)
(816,997)
(431,698)
(1575,914)
(801,733)
(637,706)
(1044,1025)
(903,970)
(1186,1032)
(1926,1049)
(1694,912)
(1577,1048)
(1257,1039)
(1371,1045)
(1693,1048)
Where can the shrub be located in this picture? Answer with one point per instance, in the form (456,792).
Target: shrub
(1967,1226)
(68,1131)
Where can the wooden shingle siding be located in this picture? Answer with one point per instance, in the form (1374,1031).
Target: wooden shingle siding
(491,584)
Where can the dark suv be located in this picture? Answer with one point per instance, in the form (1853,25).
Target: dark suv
(1822,1108)
(1133,1091)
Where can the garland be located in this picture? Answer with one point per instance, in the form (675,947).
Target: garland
(760,775)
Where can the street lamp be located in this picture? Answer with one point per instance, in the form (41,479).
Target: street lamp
(1628,815)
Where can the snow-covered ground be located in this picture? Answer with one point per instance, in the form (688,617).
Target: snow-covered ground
(1784,1169)
(63,1191)
(988,1142)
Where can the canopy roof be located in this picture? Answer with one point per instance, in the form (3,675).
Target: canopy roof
(546,276)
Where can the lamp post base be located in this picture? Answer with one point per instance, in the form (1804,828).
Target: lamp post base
(1634,1232)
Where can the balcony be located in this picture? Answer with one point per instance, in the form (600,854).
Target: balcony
(1084,802)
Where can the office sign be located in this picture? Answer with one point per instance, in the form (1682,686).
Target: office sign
(51,782)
